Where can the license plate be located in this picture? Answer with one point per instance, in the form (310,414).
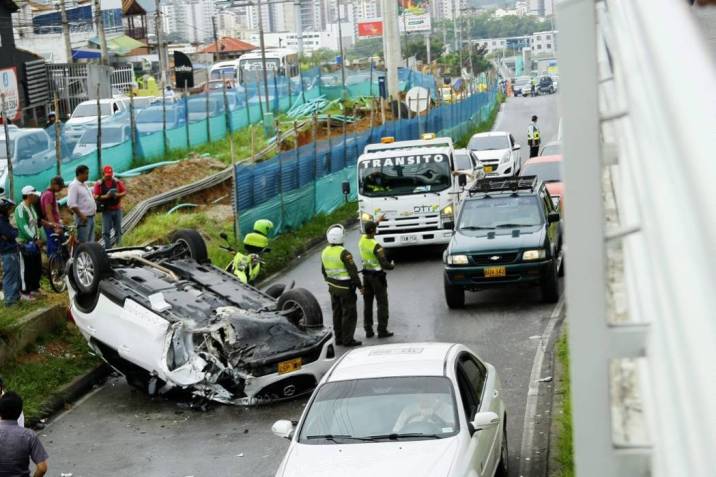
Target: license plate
(289,365)
(492,272)
(488,169)
(408,238)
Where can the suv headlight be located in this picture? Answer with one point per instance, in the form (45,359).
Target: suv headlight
(506,158)
(366,217)
(457,260)
(533,254)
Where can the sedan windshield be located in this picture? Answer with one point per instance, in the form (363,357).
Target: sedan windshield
(545,171)
(404,175)
(488,143)
(500,212)
(381,409)
(90,109)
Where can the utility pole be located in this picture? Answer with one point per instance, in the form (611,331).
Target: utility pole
(262,44)
(340,48)
(10,179)
(391,46)
(65,34)
(216,39)
(427,46)
(299,27)
(160,43)
(99,22)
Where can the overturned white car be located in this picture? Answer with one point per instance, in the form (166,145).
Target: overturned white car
(166,318)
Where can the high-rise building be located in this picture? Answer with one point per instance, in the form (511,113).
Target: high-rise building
(189,20)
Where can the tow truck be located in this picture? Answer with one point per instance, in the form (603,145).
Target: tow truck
(411,185)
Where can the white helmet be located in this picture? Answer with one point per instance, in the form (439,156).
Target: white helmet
(335,234)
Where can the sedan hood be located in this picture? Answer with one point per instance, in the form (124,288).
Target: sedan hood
(491,155)
(431,458)
(84,120)
(485,241)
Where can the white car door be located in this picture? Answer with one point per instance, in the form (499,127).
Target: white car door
(483,451)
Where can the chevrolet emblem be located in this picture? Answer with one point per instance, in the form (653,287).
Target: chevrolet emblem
(495,258)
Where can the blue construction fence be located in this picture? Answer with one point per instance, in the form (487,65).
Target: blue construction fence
(296,185)
(190,122)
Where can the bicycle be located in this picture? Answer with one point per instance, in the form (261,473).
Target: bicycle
(57,263)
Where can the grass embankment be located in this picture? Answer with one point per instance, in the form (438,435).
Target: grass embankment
(565,450)
(284,247)
(52,362)
(482,126)
(10,314)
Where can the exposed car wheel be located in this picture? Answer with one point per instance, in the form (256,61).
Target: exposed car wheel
(89,266)
(192,244)
(56,273)
(454,295)
(502,470)
(275,290)
(302,307)
(550,284)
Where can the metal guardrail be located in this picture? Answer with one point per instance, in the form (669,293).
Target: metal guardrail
(638,107)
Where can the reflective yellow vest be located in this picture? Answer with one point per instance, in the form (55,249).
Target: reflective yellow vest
(367,253)
(333,265)
(244,270)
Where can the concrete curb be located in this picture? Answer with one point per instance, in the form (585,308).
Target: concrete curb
(29,328)
(69,393)
(553,466)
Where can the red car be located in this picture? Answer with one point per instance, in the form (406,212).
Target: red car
(549,170)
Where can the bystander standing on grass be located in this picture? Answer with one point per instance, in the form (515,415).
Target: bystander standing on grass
(82,204)
(108,193)
(28,236)
(10,255)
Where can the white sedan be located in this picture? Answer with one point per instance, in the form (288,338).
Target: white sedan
(418,409)
(497,152)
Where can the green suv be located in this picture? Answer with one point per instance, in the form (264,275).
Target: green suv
(508,233)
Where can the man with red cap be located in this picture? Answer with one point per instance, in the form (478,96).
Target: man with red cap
(108,193)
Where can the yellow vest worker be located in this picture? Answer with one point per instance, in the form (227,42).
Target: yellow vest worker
(340,272)
(375,281)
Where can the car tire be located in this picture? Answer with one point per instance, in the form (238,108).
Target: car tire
(561,265)
(275,290)
(193,242)
(454,295)
(502,468)
(306,311)
(89,266)
(550,284)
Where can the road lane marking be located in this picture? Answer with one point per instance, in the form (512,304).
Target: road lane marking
(528,428)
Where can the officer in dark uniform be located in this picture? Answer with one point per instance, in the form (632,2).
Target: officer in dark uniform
(375,281)
(340,272)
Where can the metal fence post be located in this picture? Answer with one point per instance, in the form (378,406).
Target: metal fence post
(164,118)
(132,126)
(303,87)
(186,115)
(258,93)
(280,170)
(58,133)
(227,117)
(314,131)
(246,100)
(330,150)
(208,117)
(99,134)
(10,175)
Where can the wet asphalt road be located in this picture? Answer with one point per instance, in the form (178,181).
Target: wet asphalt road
(119,431)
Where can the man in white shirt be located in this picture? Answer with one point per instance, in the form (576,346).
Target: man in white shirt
(533,137)
(81,201)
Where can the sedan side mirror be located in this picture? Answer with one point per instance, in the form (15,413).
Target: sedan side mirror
(516,147)
(484,420)
(553,217)
(283,428)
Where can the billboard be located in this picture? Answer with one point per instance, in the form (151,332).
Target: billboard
(414,16)
(8,87)
(370,28)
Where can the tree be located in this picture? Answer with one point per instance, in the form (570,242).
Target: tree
(366,48)
(416,47)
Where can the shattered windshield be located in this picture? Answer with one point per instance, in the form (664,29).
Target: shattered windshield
(404,175)
(380,410)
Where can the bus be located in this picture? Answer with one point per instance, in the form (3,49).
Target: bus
(224,70)
(282,62)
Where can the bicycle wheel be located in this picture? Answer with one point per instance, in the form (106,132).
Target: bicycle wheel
(56,273)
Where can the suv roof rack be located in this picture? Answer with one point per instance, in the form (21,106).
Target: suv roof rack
(504,184)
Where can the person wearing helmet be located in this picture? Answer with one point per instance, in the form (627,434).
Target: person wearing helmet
(374,280)
(263,227)
(341,274)
(9,252)
(247,266)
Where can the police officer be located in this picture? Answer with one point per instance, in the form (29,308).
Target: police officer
(247,266)
(533,137)
(374,281)
(340,272)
